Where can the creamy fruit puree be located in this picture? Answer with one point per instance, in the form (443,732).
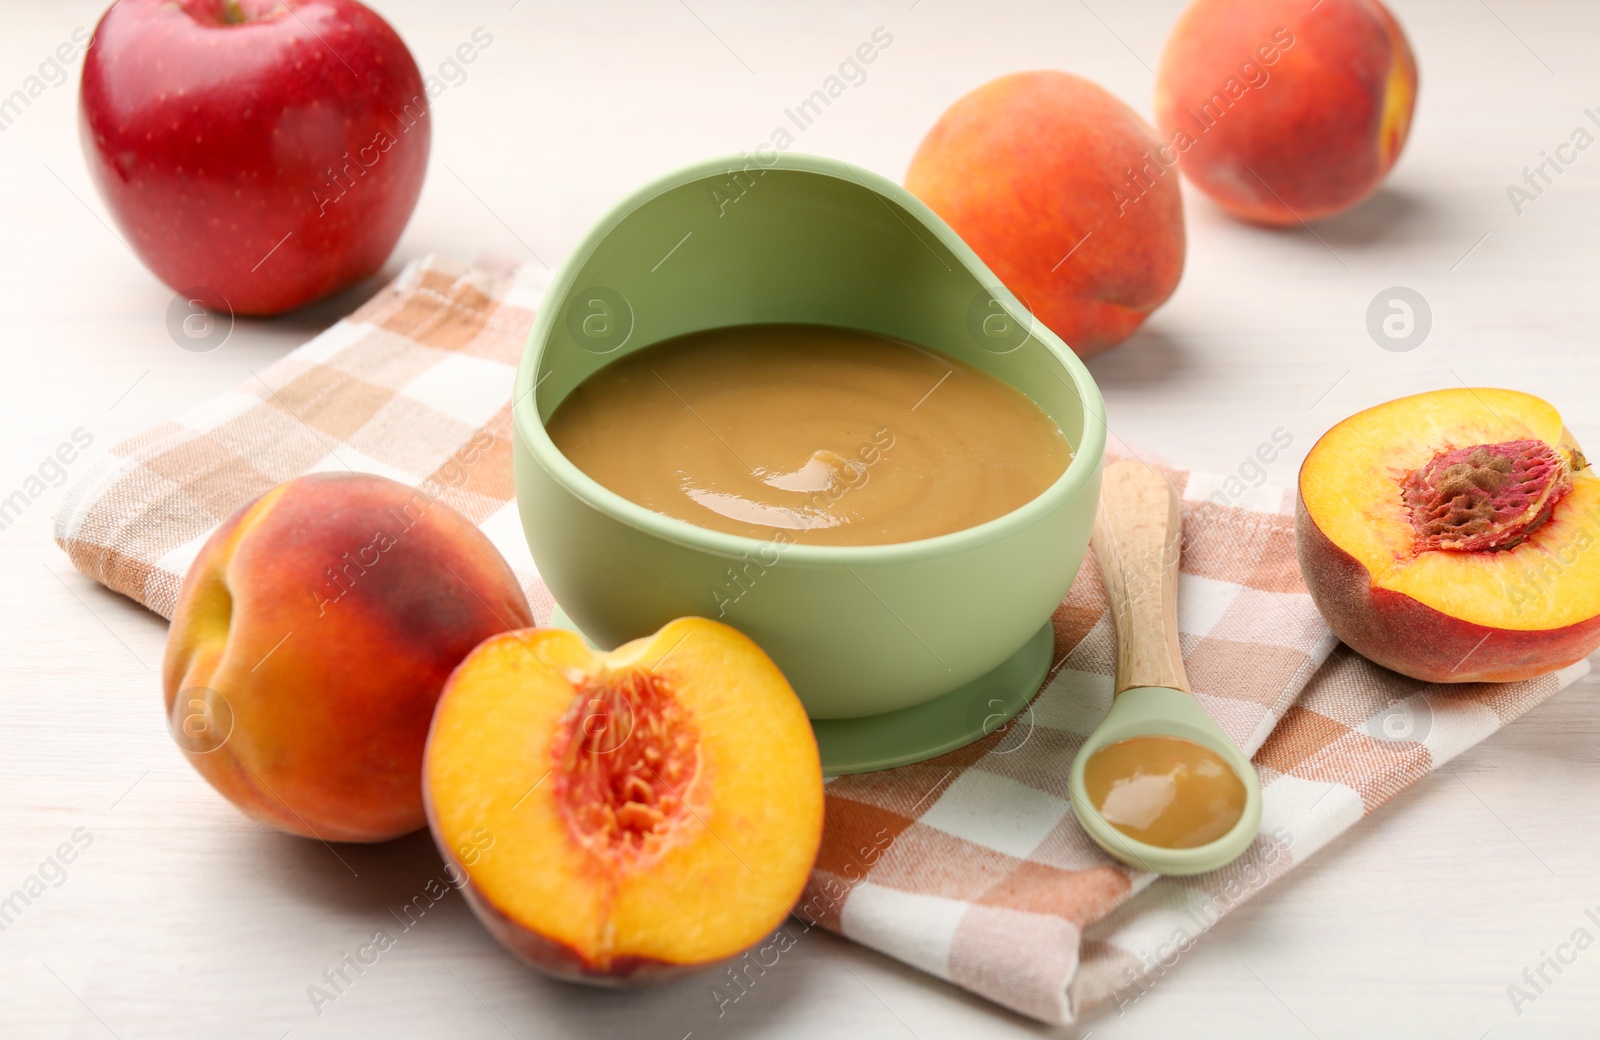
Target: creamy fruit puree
(827,435)
(1165,791)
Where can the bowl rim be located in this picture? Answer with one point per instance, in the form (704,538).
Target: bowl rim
(1081,470)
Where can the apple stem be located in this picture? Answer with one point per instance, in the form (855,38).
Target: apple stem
(233,12)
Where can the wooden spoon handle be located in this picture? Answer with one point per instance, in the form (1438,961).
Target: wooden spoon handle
(1137,536)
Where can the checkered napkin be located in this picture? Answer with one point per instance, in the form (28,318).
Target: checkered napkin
(970,866)
(400,388)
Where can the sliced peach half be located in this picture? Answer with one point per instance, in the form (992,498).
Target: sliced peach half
(625,816)
(1452,536)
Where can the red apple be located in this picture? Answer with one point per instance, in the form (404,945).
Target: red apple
(257,154)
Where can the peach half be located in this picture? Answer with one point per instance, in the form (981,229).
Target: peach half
(313,635)
(640,813)
(1451,536)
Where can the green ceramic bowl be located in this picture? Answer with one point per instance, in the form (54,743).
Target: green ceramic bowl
(860,631)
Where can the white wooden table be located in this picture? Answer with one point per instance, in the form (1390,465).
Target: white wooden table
(182,919)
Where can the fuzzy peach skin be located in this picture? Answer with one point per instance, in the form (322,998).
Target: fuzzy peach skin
(1412,638)
(1437,584)
(1286,111)
(1058,187)
(312,638)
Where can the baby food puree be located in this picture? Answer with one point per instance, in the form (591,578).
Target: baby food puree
(828,435)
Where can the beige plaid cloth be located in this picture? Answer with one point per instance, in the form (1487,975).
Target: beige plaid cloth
(970,866)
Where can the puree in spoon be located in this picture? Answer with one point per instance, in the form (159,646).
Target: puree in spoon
(809,433)
(1165,791)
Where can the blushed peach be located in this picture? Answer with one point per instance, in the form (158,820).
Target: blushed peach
(1056,185)
(1285,111)
(312,638)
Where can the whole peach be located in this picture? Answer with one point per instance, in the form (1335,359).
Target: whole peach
(313,635)
(1059,187)
(1284,111)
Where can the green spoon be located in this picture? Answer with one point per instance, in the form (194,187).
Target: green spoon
(1136,539)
